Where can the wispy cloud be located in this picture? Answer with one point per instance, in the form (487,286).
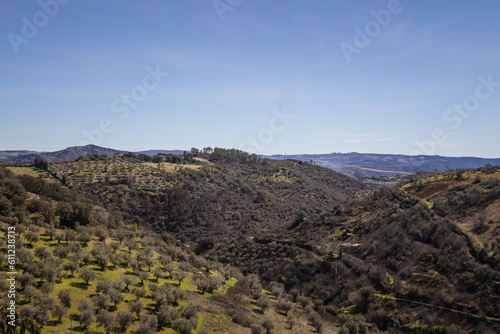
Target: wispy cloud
(367,140)
(304,18)
(48,64)
(49,91)
(363,135)
(238,92)
(450,145)
(210,93)
(418,38)
(357,138)
(397,33)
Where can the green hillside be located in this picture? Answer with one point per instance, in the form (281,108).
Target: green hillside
(219,195)
(314,249)
(120,277)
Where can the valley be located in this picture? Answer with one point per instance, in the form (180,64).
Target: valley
(417,255)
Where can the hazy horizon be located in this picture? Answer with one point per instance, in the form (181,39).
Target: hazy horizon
(270,77)
(269,154)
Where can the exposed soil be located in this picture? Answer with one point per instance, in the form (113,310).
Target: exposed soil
(432,190)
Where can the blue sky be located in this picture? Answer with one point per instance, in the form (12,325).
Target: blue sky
(267,76)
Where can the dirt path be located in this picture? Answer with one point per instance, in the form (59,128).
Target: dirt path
(376,170)
(439,307)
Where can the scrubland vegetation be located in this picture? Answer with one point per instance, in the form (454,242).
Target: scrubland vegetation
(219,241)
(83,269)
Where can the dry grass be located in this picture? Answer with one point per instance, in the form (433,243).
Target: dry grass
(32,171)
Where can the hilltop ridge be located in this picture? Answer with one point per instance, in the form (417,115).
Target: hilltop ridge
(358,165)
(421,256)
(69,153)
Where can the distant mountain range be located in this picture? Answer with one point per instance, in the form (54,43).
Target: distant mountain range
(70,153)
(352,164)
(368,164)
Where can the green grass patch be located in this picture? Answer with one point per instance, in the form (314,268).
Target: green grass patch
(31,171)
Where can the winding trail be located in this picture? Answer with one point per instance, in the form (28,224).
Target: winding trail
(439,307)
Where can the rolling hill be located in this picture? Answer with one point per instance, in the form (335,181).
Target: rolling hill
(423,258)
(6,156)
(419,257)
(226,194)
(358,165)
(70,153)
(80,268)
